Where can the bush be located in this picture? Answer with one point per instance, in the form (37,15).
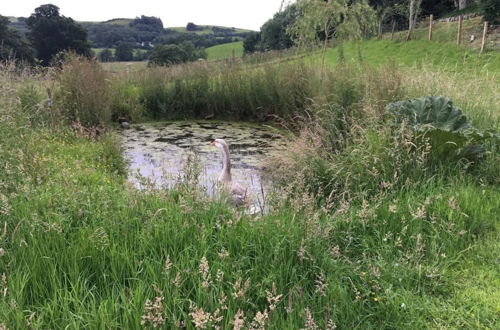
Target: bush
(83,94)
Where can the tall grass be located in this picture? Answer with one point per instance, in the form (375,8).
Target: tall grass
(83,93)
(363,231)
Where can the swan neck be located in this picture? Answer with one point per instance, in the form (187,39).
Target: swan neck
(226,164)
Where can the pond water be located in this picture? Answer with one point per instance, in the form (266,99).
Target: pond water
(157,152)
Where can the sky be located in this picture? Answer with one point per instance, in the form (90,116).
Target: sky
(248,14)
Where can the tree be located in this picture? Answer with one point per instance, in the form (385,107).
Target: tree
(12,46)
(51,33)
(251,42)
(326,20)
(124,52)
(167,55)
(192,27)
(491,11)
(414,11)
(274,32)
(106,55)
(462,4)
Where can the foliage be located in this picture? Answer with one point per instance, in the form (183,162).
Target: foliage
(106,55)
(51,33)
(490,10)
(124,52)
(445,127)
(252,42)
(167,55)
(12,46)
(83,95)
(274,32)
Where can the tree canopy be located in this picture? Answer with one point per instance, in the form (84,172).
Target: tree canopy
(12,45)
(166,55)
(51,33)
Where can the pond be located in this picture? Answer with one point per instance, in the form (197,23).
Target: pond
(157,153)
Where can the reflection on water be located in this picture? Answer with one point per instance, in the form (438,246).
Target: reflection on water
(158,152)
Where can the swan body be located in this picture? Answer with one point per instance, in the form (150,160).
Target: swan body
(237,193)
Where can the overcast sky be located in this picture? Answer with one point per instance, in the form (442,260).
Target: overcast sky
(249,14)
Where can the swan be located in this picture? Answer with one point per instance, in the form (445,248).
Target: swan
(237,193)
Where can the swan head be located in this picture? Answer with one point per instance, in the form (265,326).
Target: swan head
(219,143)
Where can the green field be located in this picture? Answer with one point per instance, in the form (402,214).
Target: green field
(224,51)
(205,29)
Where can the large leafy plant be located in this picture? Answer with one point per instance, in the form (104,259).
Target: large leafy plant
(444,126)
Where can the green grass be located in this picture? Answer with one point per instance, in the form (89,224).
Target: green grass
(225,51)
(403,245)
(418,53)
(446,32)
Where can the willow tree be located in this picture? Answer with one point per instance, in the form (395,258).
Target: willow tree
(321,21)
(413,12)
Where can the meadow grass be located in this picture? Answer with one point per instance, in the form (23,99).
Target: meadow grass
(225,51)
(363,230)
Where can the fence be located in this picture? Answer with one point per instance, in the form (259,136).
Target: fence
(464,29)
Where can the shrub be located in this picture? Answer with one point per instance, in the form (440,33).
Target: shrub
(83,94)
(445,127)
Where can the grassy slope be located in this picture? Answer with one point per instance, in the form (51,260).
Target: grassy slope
(446,32)
(420,52)
(207,29)
(224,51)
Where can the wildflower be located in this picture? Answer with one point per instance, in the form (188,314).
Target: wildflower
(240,290)
(205,272)
(201,319)
(393,208)
(167,265)
(310,324)
(302,251)
(217,319)
(330,325)
(222,301)
(2,252)
(4,205)
(239,320)
(154,312)
(335,252)
(219,277)
(419,214)
(3,284)
(321,285)
(272,298)
(223,253)
(259,321)
(452,203)
(177,280)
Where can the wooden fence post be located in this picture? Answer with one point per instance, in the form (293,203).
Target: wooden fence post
(393,28)
(431,18)
(485,32)
(459,33)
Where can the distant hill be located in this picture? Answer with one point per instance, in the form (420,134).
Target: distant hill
(144,32)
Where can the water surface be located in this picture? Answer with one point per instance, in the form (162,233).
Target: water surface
(157,152)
